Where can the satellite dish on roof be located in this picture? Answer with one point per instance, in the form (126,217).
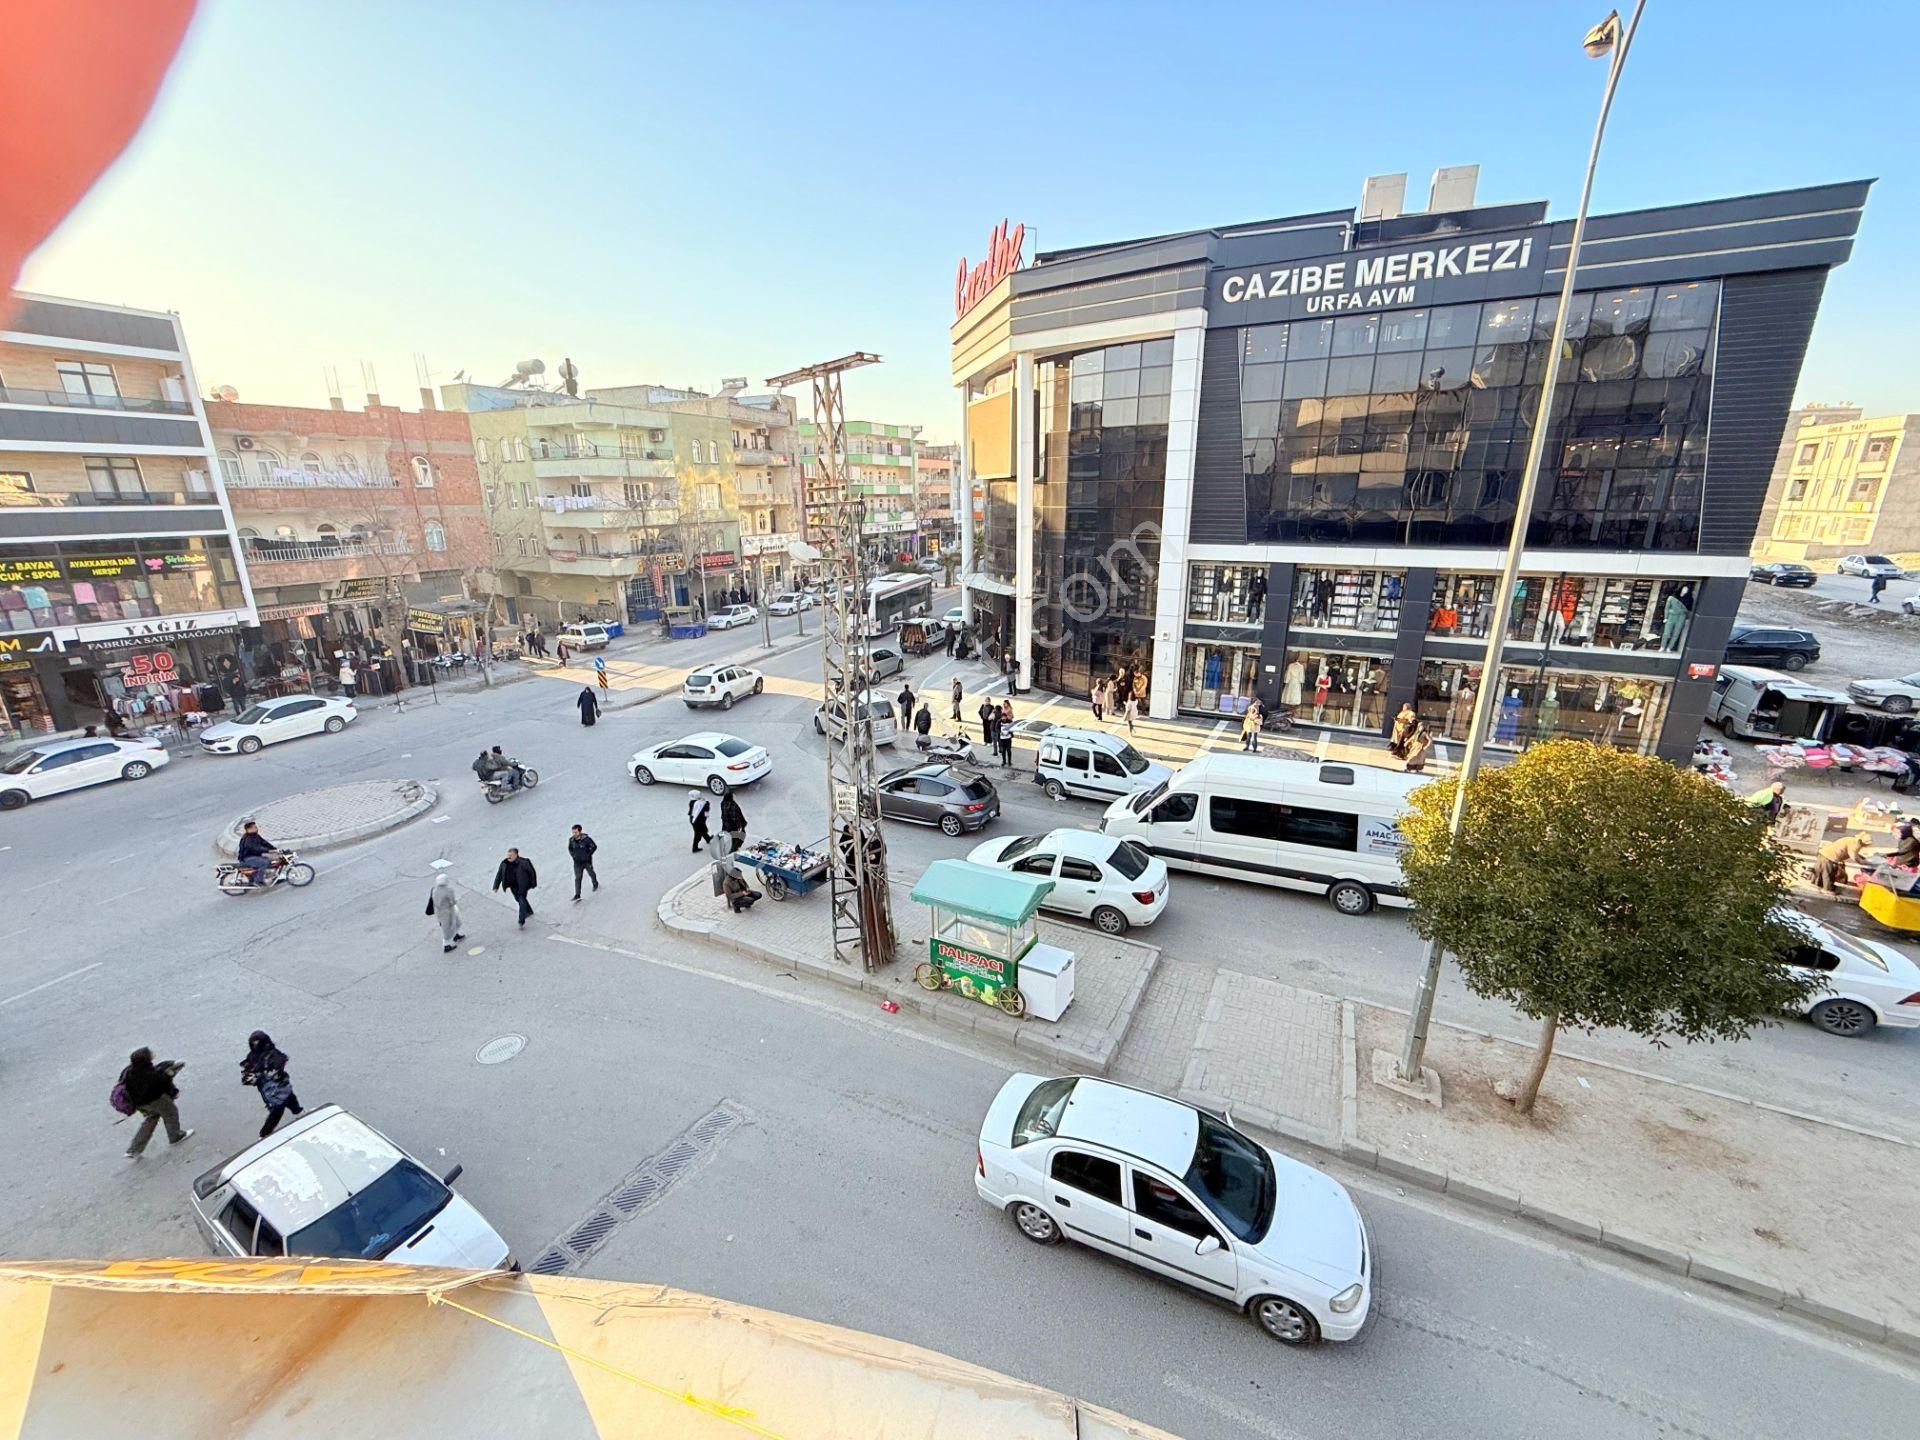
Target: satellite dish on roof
(227,393)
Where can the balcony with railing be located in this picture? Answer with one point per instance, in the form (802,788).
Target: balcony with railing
(344,557)
(87,400)
(588,460)
(291,477)
(189,487)
(605,565)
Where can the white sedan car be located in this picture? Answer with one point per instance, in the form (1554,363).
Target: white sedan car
(272,721)
(789,603)
(1865,984)
(721,685)
(728,616)
(53,766)
(719,762)
(1114,883)
(1871,567)
(1897,696)
(1179,1192)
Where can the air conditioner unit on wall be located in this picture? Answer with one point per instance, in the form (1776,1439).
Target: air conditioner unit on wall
(244,442)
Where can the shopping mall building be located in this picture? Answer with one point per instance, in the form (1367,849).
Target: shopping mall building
(1280,459)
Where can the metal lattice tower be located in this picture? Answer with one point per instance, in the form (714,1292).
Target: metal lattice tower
(832,520)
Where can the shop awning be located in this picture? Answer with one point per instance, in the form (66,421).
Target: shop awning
(981,891)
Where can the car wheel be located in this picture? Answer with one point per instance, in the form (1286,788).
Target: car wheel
(12,799)
(136,770)
(1055,790)
(1793,662)
(1897,704)
(716,784)
(1847,1018)
(250,745)
(335,724)
(1035,1223)
(1110,921)
(950,825)
(818,728)
(1350,897)
(1725,722)
(726,701)
(759,684)
(643,775)
(1283,1320)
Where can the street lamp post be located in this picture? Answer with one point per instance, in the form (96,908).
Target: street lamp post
(1608,37)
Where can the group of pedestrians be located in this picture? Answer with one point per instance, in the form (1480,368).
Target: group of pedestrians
(149,1088)
(534,642)
(1117,695)
(996,729)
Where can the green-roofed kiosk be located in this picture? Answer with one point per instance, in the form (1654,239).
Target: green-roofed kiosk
(983,927)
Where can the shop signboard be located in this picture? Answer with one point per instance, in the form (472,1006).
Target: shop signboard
(1433,272)
(28,569)
(974,973)
(426,622)
(363,587)
(103,567)
(121,636)
(971,285)
(719,560)
(151,667)
(174,564)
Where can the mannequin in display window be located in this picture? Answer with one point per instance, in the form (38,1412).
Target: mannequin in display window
(1546,722)
(1673,617)
(1460,710)
(1257,598)
(1292,680)
(1373,687)
(1507,728)
(1322,684)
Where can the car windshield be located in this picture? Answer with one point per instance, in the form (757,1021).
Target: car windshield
(1145,798)
(252,715)
(699,680)
(367,1225)
(1040,1113)
(1016,848)
(1233,1177)
(1129,859)
(731,747)
(1135,762)
(20,764)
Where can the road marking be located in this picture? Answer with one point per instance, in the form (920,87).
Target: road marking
(1213,735)
(25,889)
(49,984)
(368,855)
(1320,745)
(1240,1415)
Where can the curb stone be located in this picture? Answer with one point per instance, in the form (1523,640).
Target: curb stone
(1634,1243)
(227,842)
(1507,1202)
(1867,1327)
(1566,1224)
(1735,1277)
(1349,1073)
(1405,1167)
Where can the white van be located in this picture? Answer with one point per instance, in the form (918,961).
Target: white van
(1094,764)
(1304,825)
(882,714)
(1757,704)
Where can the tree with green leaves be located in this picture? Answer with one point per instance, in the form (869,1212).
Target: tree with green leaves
(1589,887)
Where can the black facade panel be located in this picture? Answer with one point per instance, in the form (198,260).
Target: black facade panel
(1416,604)
(81,322)
(1765,323)
(78,427)
(1273,633)
(1219,514)
(1713,612)
(63,524)
(1813,199)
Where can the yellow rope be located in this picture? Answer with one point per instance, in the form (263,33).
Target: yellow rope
(733,1415)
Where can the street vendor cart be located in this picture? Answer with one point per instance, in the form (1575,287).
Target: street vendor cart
(984,942)
(683,622)
(785,869)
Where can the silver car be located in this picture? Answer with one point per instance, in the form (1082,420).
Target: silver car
(954,798)
(331,1185)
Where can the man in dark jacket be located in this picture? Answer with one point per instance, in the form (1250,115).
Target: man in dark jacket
(151,1091)
(516,876)
(256,853)
(989,722)
(905,700)
(581,846)
(923,726)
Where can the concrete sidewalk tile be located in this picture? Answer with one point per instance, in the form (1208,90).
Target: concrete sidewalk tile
(1558,1220)
(1405,1167)
(1507,1202)
(1867,1327)
(1634,1243)
(1349,1074)
(1735,1277)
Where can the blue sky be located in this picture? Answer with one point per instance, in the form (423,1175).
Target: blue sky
(679,193)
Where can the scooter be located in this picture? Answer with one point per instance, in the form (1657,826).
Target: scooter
(495,787)
(286,868)
(954,749)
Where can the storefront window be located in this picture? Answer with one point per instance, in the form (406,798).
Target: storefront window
(1336,687)
(1536,702)
(91,581)
(1444,696)
(1227,593)
(1602,612)
(1218,678)
(1364,601)
(23,704)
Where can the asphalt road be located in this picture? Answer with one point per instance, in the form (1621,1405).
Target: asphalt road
(847,1194)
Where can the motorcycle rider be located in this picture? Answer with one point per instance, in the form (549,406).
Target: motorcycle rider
(256,853)
(494,763)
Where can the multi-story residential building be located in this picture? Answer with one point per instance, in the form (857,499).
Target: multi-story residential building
(1850,484)
(881,469)
(119,573)
(602,510)
(938,529)
(1280,459)
(1817,412)
(351,521)
(765,479)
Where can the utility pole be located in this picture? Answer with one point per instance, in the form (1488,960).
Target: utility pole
(863,930)
(1608,36)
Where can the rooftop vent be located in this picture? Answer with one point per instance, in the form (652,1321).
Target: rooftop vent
(1453,187)
(1383,197)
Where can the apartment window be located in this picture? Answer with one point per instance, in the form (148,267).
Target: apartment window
(1807,454)
(493,498)
(14,482)
(422,472)
(1877,448)
(230,467)
(520,448)
(310,463)
(513,495)
(1796,490)
(82,378)
(1846,452)
(635,495)
(709,496)
(114,478)
(1858,531)
(436,535)
(580,490)
(526,492)
(480,451)
(696,452)
(1865,490)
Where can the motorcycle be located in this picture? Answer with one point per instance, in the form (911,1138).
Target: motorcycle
(954,749)
(286,868)
(496,789)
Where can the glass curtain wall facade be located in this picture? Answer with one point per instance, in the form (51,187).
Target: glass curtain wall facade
(1412,426)
(1100,477)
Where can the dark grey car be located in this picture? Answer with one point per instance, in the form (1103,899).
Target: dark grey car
(951,796)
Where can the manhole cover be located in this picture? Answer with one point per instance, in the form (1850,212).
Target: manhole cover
(505,1048)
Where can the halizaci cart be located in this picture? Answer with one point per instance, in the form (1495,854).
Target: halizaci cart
(785,869)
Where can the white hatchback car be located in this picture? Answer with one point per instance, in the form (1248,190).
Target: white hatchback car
(1180,1192)
(728,616)
(719,762)
(59,765)
(721,685)
(1866,983)
(329,1184)
(272,721)
(1114,883)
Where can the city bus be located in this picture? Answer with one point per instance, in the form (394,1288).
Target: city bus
(893,598)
